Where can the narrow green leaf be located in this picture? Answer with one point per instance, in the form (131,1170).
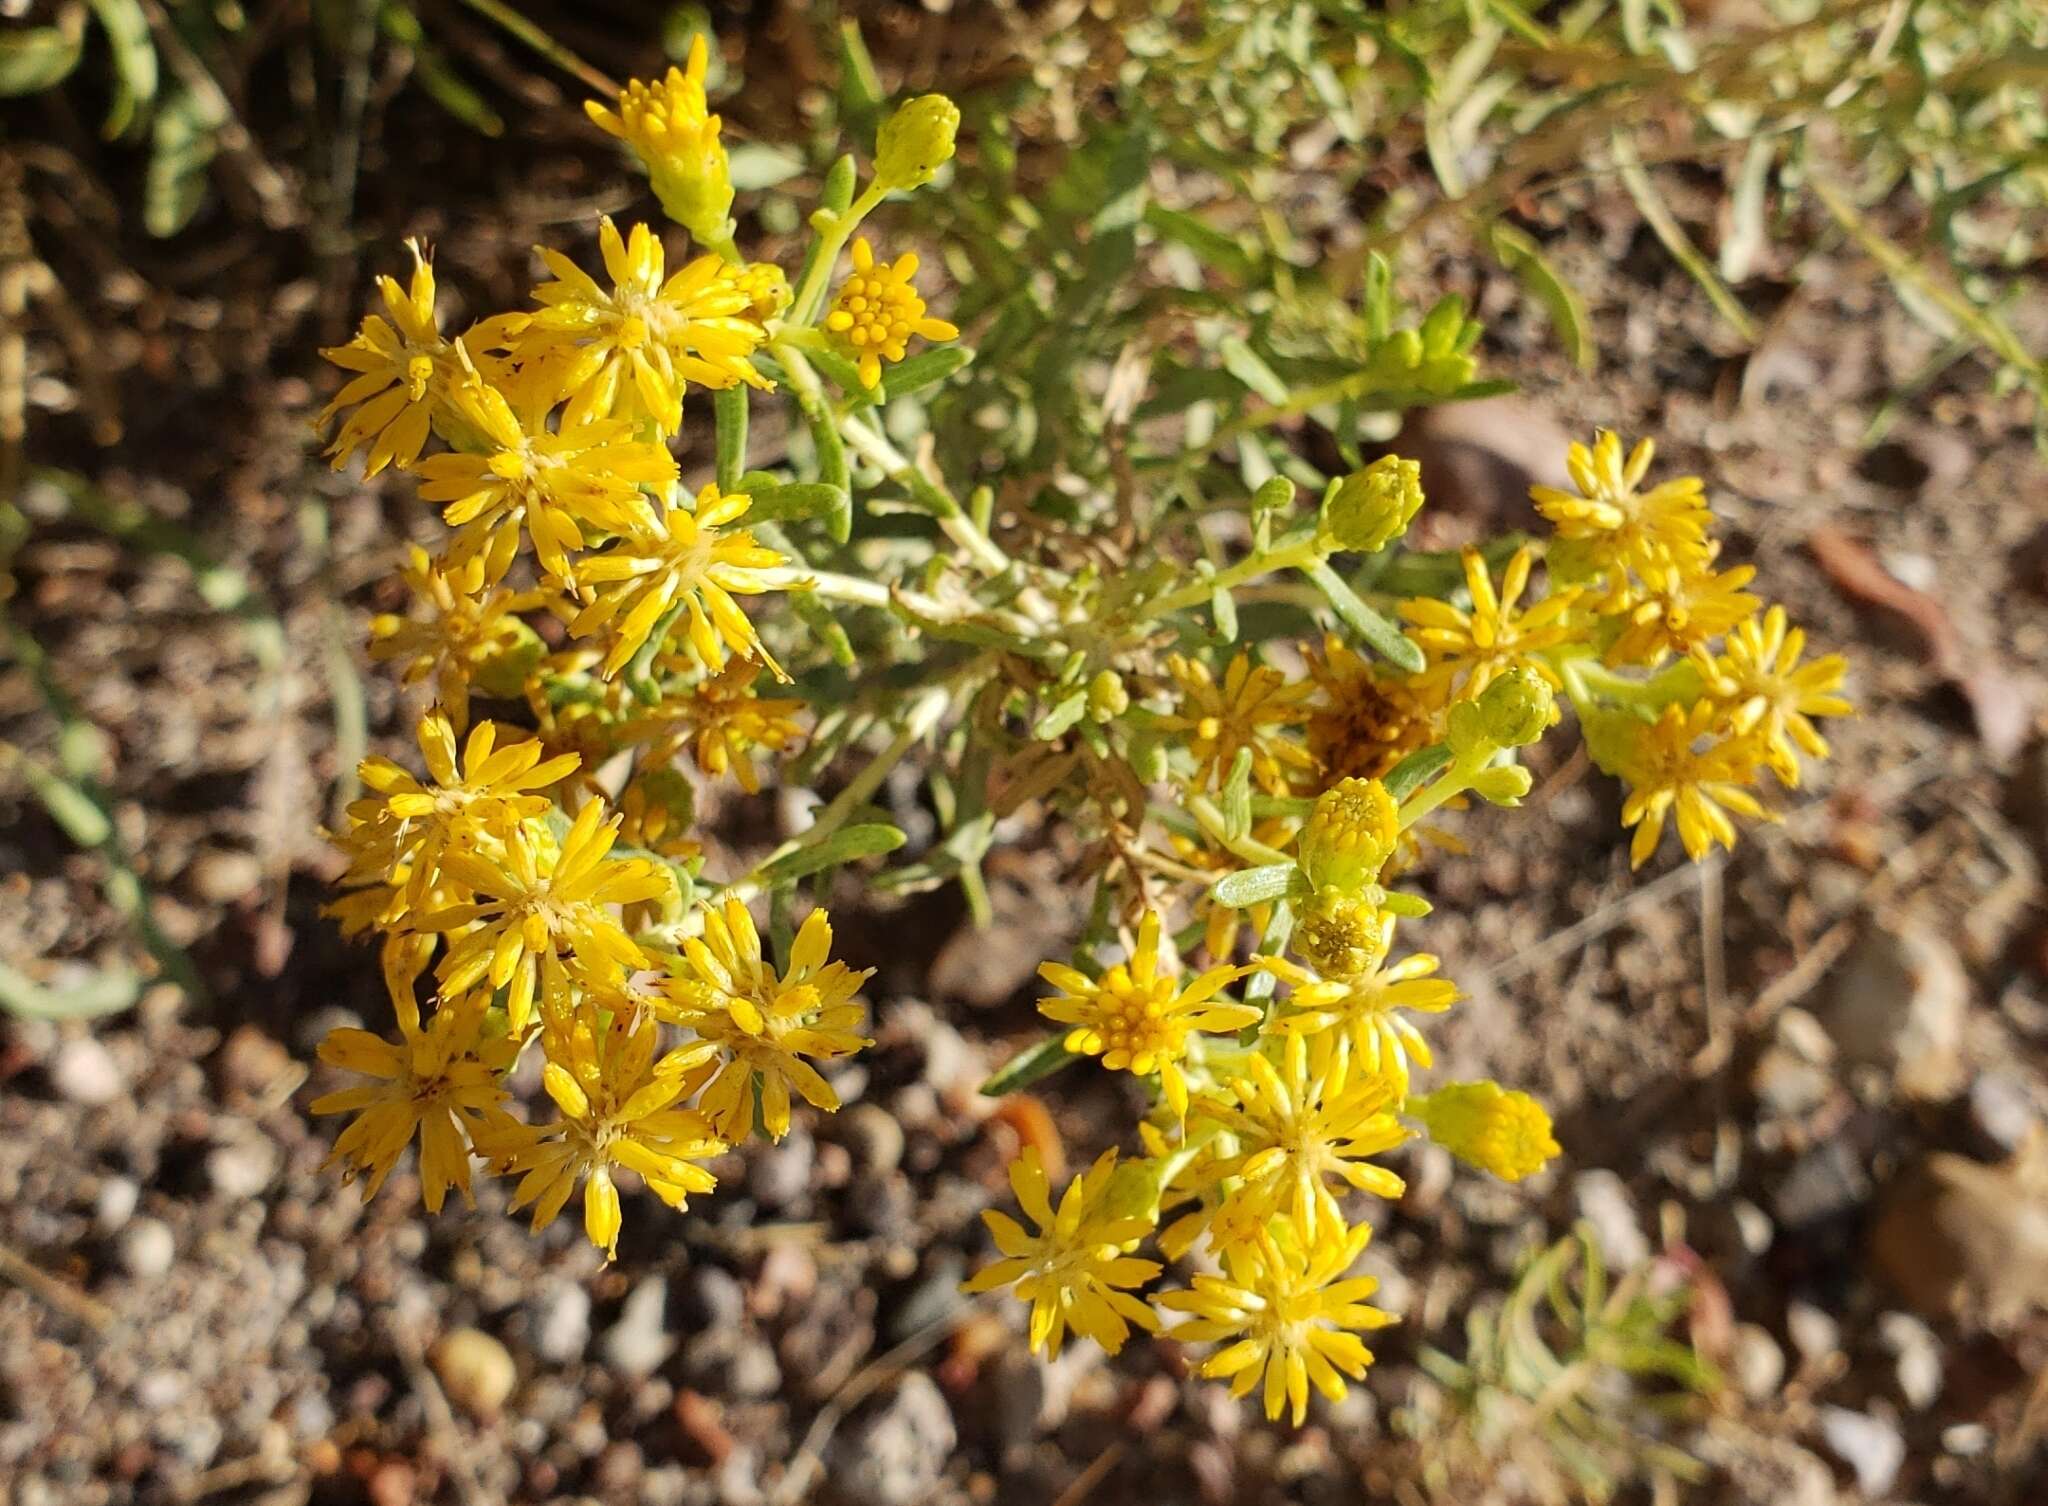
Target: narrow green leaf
(796,499)
(1223,607)
(1412,772)
(846,845)
(1060,717)
(36,58)
(1220,252)
(925,369)
(134,55)
(1032,1064)
(755,165)
(1380,635)
(1237,797)
(182,146)
(1520,254)
(729,409)
(1244,363)
(1252,886)
(105,992)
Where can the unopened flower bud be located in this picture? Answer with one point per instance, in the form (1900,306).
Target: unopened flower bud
(1485,1125)
(916,141)
(1341,935)
(670,128)
(1369,509)
(1107,698)
(1349,835)
(1518,707)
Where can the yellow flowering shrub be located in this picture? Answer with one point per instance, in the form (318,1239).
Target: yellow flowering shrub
(1124,620)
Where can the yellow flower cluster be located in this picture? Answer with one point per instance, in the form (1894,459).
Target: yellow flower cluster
(537,886)
(1282,1081)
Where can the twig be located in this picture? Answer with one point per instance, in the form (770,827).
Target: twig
(526,31)
(61,1295)
(1086,1481)
(1714,952)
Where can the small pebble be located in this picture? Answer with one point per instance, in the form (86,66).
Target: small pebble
(873,1136)
(1759,1363)
(1917,1355)
(475,1370)
(1815,1335)
(1604,1203)
(561,1321)
(753,1371)
(637,1343)
(115,1204)
(1870,1446)
(147,1248)
(84,1071)
(243,1169)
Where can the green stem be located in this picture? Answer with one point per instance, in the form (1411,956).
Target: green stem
(834,230)
(1289,554)
(1253,851)
(526,31)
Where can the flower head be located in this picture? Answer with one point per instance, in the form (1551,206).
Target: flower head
(915,142)
(1689,766)
(631,352)
(877,310)
(1137,1016)
(1486,1125)
(767,1027)
(1073,1271)
(405,825)
(1369,509)
(1616,528)
(618,1109)
(670,128)
(1255,707)
(1362,722)
(1467,650)
(555,485)
(723,720)
(399,365)
(1680,609)
(438,1083)
(1365,1010)
(1342,933)
(1770,696)
(1287,1312)
(692,562)
(1301,1116)
(460,634)
(1350,834)
(542,911)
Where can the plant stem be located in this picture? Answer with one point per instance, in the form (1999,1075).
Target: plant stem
(1288,554)
(833,234)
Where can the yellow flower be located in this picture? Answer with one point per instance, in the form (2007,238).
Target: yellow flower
(767,1028)
(1468,650)
(463,635)
(399,370)
(1253,708)
(1685,766)
(439,1083)
(1221,923)
(724,720)
(1770,696)
(404,824)
(1615,528)
(1315,1115)
(1341,933)
(1679,610)
(1349,835)
(1073,1271)
(1364,1009)
(1485,1125)
(630,353)
(554,485)
(618,1110)
(1287,1312)
(1363,723)
(692,563)
(655,812)
(762,283)
(1137,1017)
(542,911)
(669,127)
(877,310)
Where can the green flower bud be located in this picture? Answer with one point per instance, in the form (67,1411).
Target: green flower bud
(1505,785)
(1369,509)
(1518,707)
(1107,698)
(1485,1125)
(916,141)
(1349,835)
(1341,935)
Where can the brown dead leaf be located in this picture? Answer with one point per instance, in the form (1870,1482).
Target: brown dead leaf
(1961,1239)
(1999,704)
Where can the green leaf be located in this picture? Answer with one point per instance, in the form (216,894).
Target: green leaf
(134,56)
(846,845)
(1032,1064)
(36,58)
(105,992)
(1520,254)
(1237,797)
(1223,607)
(1212,246)
(924,369)
(755,165)
(1380,635)
(1252,886)
(1244,363)
(183,142)
(796,499)
(1061,717)
(729,409)
(1412,772)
